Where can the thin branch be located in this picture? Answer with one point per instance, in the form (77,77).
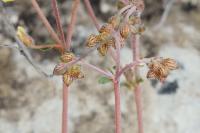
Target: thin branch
(72,24)
(118,54)
(43,46)
(124,9)
(46,22)
(137,90)
(92,14)
(21,47)
(9,46)
(138,102)
(127,67)
(125,1)
(58,20)
(97,69)
(135,48)
(165,14)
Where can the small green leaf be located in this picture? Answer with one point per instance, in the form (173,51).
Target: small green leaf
(104,80)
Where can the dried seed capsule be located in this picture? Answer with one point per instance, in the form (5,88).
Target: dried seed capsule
(103,49)
(67,79)
(169,63)
(111,42)
(114,21)
(141,29)
(75,72)
(67,57)
(137,30)
(124,30)
(159,68)
(134,20)
(24,37)
(103,37)
(92,40)
(106,28)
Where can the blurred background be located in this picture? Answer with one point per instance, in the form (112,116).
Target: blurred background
(31,103)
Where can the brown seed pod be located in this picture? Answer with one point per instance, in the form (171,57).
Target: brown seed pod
(133,20)
(106,28)
(92,40)
(111,42)
(124,31)
(103,37)
(169,63)
(103,49)
(67,79)
(141,29)
(160,68)
(137,29)
(75,72)
(114,21)
(24,37)
(67,57)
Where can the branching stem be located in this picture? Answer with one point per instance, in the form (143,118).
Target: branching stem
(72,24)
(92,14)
(46,22)
(58,20)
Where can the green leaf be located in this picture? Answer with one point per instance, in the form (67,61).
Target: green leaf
(104,80)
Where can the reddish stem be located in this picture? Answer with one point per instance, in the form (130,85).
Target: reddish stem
(92,14)
(138,103)
(58,20)
(137,90)
(97,69)
(72,24)
(117,107)
(65,109)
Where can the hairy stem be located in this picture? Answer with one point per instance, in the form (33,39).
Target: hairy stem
(91,13)
(118,53)
(117,106)
(137,90)
(72,24)
(138,103)
(45,22)
(65,109)
(58,20)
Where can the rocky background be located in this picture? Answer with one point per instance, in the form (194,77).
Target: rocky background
(31,103)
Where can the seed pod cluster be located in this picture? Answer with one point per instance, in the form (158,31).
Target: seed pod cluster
(124,30)
(67,57)
(104,37)
(70,73)
(160,68)
(121,23)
